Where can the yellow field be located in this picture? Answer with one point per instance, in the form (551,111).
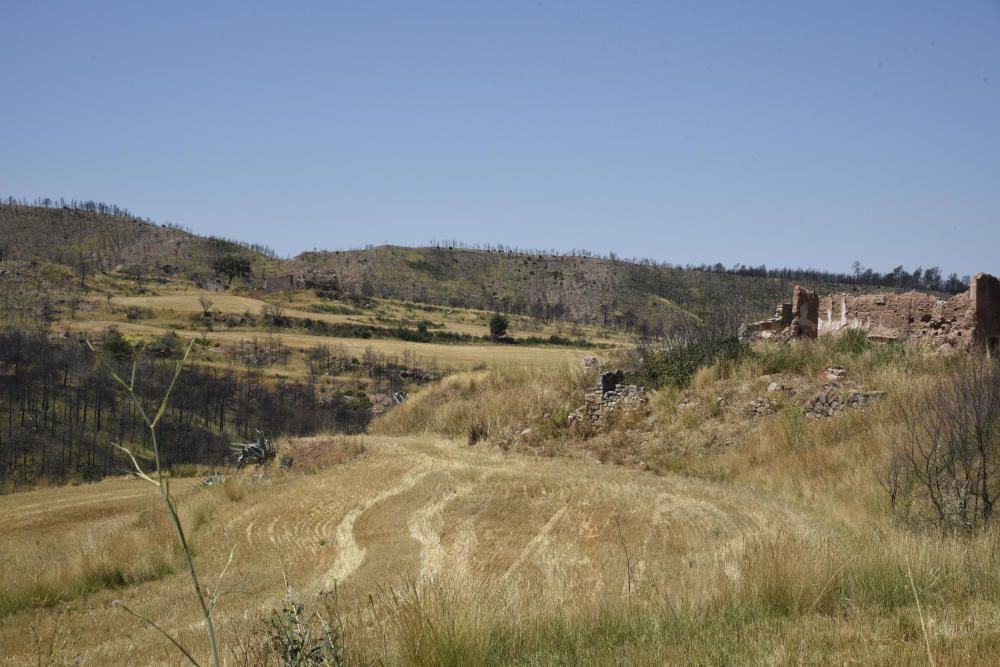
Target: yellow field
(408,510)
(460,321)
(458,355)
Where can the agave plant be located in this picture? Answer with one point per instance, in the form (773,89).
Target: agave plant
(261,452)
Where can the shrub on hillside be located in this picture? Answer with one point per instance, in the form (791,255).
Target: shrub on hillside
(693,345)
(498,326)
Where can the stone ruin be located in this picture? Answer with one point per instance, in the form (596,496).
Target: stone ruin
(278,284)
(308,279)
(959,323)
(609,399)
(791,320)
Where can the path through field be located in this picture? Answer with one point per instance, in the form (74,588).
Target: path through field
(407,509)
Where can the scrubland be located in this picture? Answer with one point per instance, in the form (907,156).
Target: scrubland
(475,524)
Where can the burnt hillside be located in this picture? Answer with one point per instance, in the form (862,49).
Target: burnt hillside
(592,290)
(97,241)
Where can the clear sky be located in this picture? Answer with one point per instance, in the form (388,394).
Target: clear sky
(788,133)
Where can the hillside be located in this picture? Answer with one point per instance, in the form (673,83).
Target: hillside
(90,242)
(635,297)
(64,248)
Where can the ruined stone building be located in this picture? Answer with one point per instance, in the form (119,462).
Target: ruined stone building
(967,319)
(278,284)
(309,278)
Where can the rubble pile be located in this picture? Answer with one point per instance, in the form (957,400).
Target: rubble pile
(830,402)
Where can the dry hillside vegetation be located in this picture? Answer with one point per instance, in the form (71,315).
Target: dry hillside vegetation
(731,534)
(72,253)
(449,356)
(597,291)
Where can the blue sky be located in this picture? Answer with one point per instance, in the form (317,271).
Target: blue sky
(785,133)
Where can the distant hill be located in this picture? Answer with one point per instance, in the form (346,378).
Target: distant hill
(90,242)
(590,290)
(74,244)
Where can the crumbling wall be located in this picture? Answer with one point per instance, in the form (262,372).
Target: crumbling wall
(984,294)
(779,322)
(899,316)
(971,318)
(798,318)
(279,284)
(805,313)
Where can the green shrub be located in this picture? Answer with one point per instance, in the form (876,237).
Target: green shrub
(852,341)
(794,357)
(498,326)
(675,366)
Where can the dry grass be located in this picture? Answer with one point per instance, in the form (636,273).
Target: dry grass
(321,452)
(297,305)
(414,510)
(494,406)
(100,544)
(457,355)
(763,539)
(793,600)
(234,489)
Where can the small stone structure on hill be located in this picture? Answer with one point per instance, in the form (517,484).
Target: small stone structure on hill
(609,400)
(959,323)
(309,279)
(279,284)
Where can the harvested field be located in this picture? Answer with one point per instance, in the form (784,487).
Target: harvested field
(406,510)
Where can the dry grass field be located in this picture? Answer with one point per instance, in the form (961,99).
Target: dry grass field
(297,305)
(458,355)
(701,535)
(406,510)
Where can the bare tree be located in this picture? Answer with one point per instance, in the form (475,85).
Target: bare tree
(274,312)
(206,305)
(945,469)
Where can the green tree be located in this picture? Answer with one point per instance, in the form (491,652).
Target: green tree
(498,326)
(232,266)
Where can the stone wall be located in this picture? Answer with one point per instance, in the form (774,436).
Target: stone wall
(279,284)
(899,316)
(805,312)
(956,323)
(779,322)
(985,296)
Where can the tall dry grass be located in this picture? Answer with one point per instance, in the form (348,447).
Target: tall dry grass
(142,549)
(838,583)
(799,598)
(492,405)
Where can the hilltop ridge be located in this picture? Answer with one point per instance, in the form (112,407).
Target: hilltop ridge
(636,297)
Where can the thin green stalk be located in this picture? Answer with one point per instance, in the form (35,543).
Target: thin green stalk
(162,483)
(156,627)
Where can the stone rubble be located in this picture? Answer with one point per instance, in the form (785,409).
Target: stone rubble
(830,402)
(761,408)
(835,373)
